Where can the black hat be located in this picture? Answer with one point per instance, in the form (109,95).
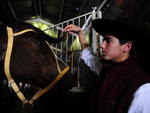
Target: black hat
(124,31)
(119,29)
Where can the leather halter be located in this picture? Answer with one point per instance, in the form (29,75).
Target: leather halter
(9,76)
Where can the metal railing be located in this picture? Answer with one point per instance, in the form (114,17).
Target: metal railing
(64,50)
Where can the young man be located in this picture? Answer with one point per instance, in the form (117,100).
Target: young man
(123,86)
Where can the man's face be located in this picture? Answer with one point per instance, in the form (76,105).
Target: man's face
(113,50)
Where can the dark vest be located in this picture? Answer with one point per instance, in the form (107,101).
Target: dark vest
(116,86)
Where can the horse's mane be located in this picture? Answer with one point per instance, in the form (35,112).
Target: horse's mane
(20,25)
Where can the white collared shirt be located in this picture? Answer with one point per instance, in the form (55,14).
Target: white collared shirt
(141,98)
(91,61)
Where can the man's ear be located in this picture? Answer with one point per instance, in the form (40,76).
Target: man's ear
(127,46)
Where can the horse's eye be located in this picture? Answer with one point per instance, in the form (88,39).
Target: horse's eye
(41,43)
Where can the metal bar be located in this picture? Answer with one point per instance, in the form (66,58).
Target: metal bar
(72,19)
(61,45)
(82,6)
(94,45)
(35,7)
(66,56)
(12,11)
(87,22)
(61,10)
(40,8)
(101,6)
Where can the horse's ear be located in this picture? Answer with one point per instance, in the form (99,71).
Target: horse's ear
(7,17)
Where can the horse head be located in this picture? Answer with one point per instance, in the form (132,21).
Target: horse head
(32,60)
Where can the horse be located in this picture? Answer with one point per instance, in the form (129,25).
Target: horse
(26,58)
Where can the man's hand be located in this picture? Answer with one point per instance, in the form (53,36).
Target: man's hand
(72,29)
(77,30)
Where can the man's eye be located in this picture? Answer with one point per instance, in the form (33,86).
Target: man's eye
(107,40)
